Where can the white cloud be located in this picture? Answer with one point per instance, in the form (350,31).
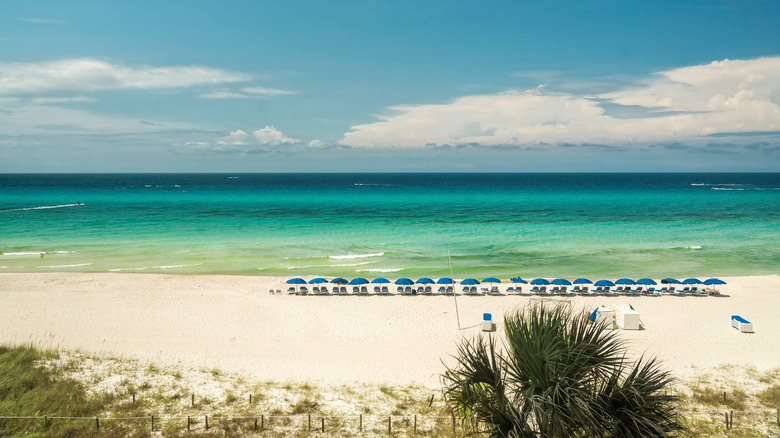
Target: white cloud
(272,136)
(84,75)
(224,95)
(677,105)
(260,91)
(316,144)
(235,138)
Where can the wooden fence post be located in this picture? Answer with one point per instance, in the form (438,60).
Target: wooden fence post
(207,422)
(97,423)
(262,422)
(390,425)
(360,424)
(152,423)
(46,420)
(453,423)
(323,424)
(193,400)
(188,423)
(415,424)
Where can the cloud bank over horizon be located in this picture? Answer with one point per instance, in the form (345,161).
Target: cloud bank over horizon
(688,104)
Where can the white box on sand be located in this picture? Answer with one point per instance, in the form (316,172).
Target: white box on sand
(603,315)
(488,326)
(626,317)
(741,324)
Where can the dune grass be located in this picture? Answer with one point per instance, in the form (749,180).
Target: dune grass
(36,382)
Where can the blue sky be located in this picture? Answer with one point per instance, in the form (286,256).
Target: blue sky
(253,86)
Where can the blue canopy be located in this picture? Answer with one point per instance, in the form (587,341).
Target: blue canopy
(404,281)
(296,281)
(380,280)
(670,281)
(317,280)
(425,280)
(582,281)
(538,281)
(625,281)
(491,280)
(592,317)
(712,281)
(691,281)
(358,281)
(445,280)
(604,283)
(340,280)
(646,281)
(561,281)
(470,281)
(518,280)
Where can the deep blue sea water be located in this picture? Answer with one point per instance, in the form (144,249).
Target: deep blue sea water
(393,225)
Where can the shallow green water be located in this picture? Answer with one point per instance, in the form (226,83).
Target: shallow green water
(393,225)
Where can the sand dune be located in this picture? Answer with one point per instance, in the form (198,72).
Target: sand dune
(233,323)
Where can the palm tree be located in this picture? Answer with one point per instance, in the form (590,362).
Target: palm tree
(559,375)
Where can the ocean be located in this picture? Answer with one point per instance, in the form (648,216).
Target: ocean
(393,225)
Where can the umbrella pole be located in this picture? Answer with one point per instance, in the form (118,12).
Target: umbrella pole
(454,295)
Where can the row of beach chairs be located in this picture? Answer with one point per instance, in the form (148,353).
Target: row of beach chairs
(473,290)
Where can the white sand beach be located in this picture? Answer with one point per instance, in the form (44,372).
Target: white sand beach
(233,323)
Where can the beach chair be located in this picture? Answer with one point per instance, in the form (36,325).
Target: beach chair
(315,290)
(304,290)
(484,290)
(428,290)
(355,290)
(408,290)
(343,290)
(291,290)
(519,290)
(385,291)
(535,290)
(510,290)
(377,290)
(576,290)
(465,290)
(364,290)
(555,290)
(564,290)
(584,290)
(442,290)
(741,324)
(324,290)
(473,290)
(543,290)
(450,291)
(420,290)
(400,290)
(494,291)
(686,290)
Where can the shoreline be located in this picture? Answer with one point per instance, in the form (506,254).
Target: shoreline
(232,322)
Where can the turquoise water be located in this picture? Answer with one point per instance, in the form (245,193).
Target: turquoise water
(393,225)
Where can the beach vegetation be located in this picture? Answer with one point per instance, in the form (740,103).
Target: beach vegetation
(559,375)
(770,397)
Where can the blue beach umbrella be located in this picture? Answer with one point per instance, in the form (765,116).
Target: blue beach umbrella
(317,280)
(380,280)
(518,280)
(339,280)
(625,281)
(582,281)
(445,280)
(539,281)
(491,280)
(296,281)
(404,281)
(561,282)
(670,281)
(425,280)
(713,281)
(357,281)
(646,281)
(469,281)
(602,283)
(691,281)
